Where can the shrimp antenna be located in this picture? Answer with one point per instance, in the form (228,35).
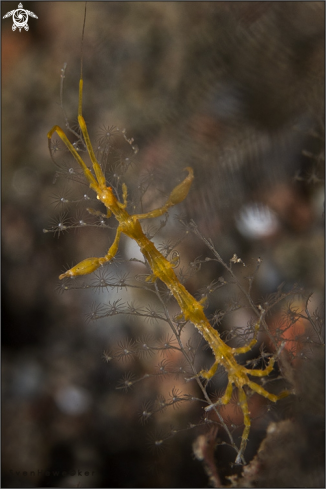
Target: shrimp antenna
(81,65)
(82,43)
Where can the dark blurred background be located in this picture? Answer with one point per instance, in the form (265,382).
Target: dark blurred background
(235,90)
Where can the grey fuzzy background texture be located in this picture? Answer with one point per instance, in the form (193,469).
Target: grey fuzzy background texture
(235,90)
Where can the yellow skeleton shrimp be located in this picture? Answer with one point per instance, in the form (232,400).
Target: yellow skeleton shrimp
(192,310)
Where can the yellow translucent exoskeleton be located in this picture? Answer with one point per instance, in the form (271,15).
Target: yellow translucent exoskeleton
(162,269)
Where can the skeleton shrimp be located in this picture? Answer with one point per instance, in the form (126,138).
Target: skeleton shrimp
(162,269)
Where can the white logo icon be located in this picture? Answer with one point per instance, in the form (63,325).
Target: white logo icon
(20,18)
